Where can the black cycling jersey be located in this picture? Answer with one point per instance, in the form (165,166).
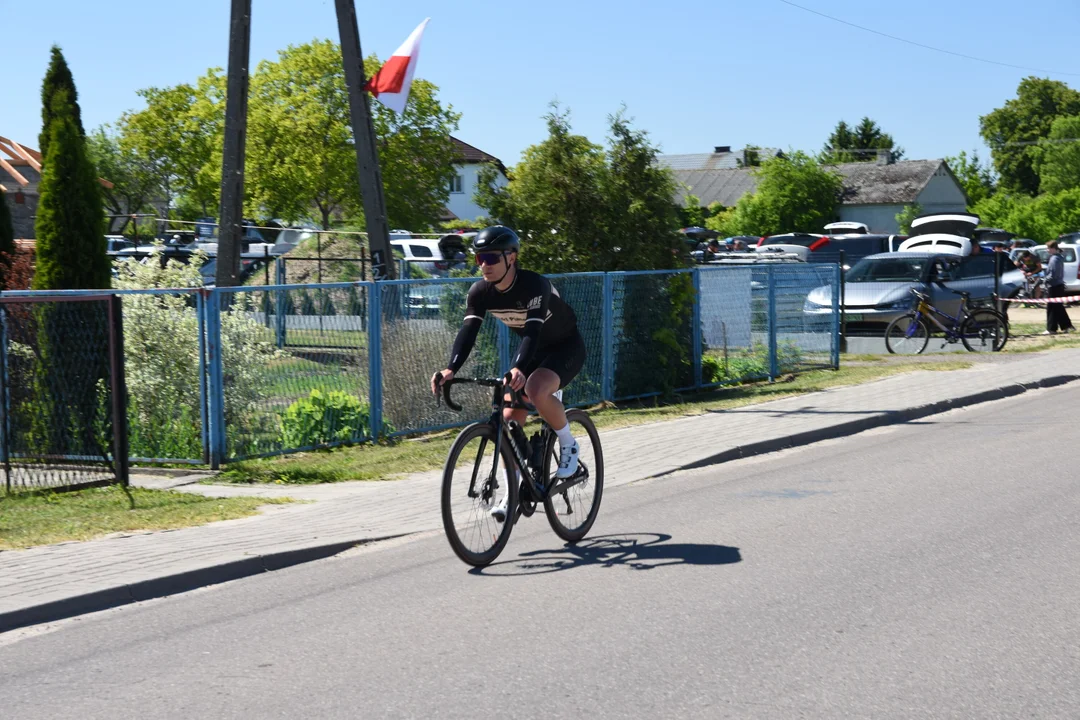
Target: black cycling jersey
(530,307)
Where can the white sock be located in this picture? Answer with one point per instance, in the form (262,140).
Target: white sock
(566,439)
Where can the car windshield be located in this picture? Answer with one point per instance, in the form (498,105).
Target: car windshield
(887,269)
(804,241)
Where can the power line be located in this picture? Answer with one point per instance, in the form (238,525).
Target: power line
(929,47)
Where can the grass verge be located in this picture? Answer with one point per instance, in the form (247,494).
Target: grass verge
(29,519)
(386,461)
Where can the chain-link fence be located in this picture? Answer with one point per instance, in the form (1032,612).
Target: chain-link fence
(231,373)
(62,396)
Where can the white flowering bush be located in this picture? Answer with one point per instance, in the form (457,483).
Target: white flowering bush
(161,349)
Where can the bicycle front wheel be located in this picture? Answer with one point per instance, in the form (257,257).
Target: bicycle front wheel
(984,331)
(907,335)
(474,484)
(572,512)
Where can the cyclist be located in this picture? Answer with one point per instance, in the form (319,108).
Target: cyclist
(552,351)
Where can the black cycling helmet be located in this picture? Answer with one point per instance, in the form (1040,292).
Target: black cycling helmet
(497,238)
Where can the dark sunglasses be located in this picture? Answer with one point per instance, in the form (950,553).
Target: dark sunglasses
(488,258)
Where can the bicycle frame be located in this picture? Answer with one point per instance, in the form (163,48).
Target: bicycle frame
(500,389)
(924,308)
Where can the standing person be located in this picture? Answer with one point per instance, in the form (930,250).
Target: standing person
(552,351)
(1056,316)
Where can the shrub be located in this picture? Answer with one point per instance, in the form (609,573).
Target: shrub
(325,417)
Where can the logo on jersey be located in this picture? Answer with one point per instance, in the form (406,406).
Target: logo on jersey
(534,304)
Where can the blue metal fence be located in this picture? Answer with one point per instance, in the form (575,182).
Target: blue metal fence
(285,368)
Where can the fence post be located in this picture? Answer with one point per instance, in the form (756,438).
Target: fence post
(5,426)
(774,364)
(607,374)
(215,379)
(375,359)
(204,427)
(279,304)
(838,280)
(119,389)
(843,312)
(695,274)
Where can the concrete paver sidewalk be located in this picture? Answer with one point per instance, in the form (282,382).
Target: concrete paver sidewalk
(56,581)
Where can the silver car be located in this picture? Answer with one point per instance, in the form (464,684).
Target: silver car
(877,289)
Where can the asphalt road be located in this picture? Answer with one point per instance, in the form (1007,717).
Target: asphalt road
(925,570)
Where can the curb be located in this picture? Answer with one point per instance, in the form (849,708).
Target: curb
(893,417)
(173,584)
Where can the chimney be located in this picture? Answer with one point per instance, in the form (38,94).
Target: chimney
(722,149)
(884,156)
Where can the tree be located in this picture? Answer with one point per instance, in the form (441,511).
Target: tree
(554,200)
(1012,131)
(301,155)
(905,216)
(136,182)
(179,138)
(860,144)
(975,177)
(57,77)
(794,194)
(70,222)
(1042,218)
(1057,158)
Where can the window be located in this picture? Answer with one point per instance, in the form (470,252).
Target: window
(976,266)
(421,251)
(457,184)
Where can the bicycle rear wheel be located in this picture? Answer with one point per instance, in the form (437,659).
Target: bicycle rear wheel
(472,486)
(572,512)
(906,335)
(984,331)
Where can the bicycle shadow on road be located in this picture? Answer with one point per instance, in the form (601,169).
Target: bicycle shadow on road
(638,551)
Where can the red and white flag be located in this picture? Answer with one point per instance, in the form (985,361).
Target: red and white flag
(391,84)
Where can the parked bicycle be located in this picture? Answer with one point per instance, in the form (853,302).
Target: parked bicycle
(980,330)
(475,481)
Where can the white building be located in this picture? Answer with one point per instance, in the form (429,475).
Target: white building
(461,204)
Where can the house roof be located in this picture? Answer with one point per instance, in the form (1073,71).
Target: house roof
(711,161)
(864,183)
(14,158)
(470,154)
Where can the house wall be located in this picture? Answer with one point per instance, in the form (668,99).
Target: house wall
(22,214)
(879,218)
(462,203)
(942,194)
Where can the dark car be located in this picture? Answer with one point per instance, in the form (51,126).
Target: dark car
(827,248)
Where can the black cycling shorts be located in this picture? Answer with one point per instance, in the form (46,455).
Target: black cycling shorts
(565,359)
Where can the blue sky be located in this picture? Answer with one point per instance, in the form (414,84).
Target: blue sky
(694,73)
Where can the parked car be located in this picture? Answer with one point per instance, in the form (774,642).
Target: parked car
(847,228)
(1070,253)
(877,289)
(827,248)
(116,243)
(433,255)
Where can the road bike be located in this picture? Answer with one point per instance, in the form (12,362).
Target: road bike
(475,481)
(980,330)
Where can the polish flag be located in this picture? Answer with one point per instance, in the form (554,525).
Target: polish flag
(391,84)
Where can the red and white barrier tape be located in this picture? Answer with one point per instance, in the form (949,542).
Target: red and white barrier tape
(1044,301)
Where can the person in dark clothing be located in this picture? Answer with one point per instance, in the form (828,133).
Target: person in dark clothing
(1057,319)
(552,351)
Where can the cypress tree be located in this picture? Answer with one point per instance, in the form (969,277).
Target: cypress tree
(70,225)
(57,77)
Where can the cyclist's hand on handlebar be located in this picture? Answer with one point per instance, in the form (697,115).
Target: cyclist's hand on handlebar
(439,378)
(517,379)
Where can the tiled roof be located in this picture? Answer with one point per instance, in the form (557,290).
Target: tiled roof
(864,183)
(470,154)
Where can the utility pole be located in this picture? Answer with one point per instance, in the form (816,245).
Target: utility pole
(230,232)
(367,160)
